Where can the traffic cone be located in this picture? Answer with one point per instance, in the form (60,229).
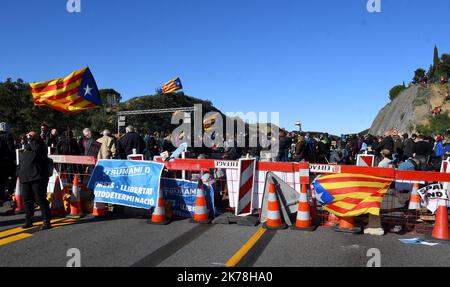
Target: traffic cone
(304,221)
(75,200)
(314,214)
(99,209)
(66,193)
(201,212)
(18,199)
(347,225)
(441,230)
(273,210)
(159,214)
(333,220)
(56,203)
(414,200)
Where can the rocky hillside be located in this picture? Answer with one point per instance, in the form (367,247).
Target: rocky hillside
(411,109)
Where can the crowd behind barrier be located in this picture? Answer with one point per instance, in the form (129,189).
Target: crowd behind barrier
(400,157)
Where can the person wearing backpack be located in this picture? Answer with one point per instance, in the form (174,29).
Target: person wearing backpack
(33,176)
(7,159)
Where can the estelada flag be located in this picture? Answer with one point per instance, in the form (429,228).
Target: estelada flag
(348,195)
(172,86)
(74,93)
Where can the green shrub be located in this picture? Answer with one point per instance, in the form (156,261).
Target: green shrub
(395,91)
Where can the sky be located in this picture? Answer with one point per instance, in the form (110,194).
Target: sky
(329,64)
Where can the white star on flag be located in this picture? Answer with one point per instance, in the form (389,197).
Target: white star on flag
(319,197)
(88,90)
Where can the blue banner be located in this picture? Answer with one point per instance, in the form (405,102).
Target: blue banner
(128,183)
(182,195)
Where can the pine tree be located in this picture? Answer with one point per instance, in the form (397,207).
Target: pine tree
(437,65)
(436,60)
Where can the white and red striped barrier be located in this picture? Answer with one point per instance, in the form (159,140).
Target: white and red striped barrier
(246,180)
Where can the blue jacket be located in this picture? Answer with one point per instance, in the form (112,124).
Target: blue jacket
(439,150)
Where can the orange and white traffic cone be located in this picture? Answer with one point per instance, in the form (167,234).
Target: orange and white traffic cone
(333,220)
(75,201)
(57,204)
(19,206)
(159,214)
(99,209)
(414,200)
(273,210)
(347,225)
(201,214)
(65,193)
(304,221)
(441,230)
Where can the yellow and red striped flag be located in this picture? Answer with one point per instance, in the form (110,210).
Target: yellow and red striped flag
(172,86)
(348,195)
(74,93)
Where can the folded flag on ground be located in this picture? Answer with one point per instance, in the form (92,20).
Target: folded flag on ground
(348,195)
(74,93)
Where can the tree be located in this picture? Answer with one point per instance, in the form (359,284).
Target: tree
(419,75)
(431,72)
(445,65)
(436,60)
(395,91)
(438,125)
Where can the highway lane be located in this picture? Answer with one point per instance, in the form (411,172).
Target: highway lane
(128,241)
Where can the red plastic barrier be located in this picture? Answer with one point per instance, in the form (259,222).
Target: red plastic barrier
(207,164)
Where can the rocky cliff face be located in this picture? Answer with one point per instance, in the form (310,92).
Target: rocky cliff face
(412,107)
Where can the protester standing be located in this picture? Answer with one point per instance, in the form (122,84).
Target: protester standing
(130,141)
(34,176)
(108,146)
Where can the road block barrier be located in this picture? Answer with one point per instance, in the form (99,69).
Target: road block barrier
(274,221)
(99,209)
(225,181)
(201,214)
(414,200)
(75,200)
(56,199)
(393,213)
(304,220)
(159,213)
(18,199)
(441,230)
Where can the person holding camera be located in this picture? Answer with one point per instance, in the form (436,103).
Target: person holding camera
(34,176)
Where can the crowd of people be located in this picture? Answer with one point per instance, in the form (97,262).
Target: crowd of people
(390,150)
(415,152)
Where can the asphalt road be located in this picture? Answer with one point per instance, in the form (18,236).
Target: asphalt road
(127,241)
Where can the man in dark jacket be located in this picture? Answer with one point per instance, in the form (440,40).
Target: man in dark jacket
(88,145)
(130,141)
(408,144)
(422,150)
(67,145)
(387,143)
(33,176)
(7,158)
(284,144)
